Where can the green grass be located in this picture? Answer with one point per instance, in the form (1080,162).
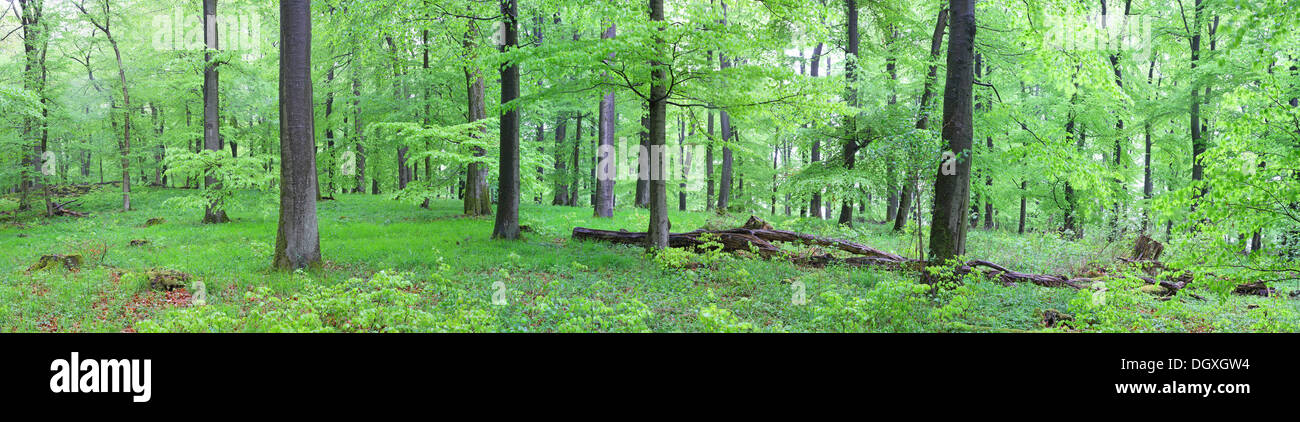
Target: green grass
(391,266)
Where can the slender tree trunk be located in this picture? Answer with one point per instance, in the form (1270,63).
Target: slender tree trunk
(891,177)
(952,191)
(724,183)
(428,110)
(1147,186)
(1023,186)
(214,213)
(657,235)
(478,196)
(643,162)
(124,145)
(358,136)
(815,204)
(297,243)
(711,193)
(923,120)
(576,175)
(851,128)
(507,218)
(987,195)
(1198,144)
(603,200)
(682,161)
(561,168)
(35,130)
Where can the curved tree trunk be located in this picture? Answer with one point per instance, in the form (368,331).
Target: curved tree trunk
(912,176)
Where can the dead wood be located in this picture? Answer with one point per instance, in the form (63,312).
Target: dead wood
(758,236)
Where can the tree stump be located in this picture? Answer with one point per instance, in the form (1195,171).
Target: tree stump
(69,262)
(165,279)
(1147,249)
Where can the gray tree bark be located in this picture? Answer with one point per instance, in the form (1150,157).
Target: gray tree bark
(297,243)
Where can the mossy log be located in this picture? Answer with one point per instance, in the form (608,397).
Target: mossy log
(68,262)
(166,279)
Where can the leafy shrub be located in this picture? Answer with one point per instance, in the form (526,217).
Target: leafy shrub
(718,320)
(579,315)
(385,303)
(890,306)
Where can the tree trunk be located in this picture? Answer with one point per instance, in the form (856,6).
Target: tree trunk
(603,200)
(891,177)
(815,204)
(35,129)
(297,243)
(1198,144)
(724,183)
(642,199)
(1023,186)
(683,162)
(850,126)
(358,137)
(657,235)
(561,168)
(952,191)
(923,121)
(576,175)
(711,193)
(507,218)
(213,213)
(478,196)
(1147,186)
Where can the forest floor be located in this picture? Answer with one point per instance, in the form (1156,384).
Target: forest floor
(391,266)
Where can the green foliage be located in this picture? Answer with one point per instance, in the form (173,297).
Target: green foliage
(385,303)
(394,267)
(231,174)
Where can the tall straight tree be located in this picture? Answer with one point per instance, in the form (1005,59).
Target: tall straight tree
(604,198)
(658,232)
(297,241)
(952,184)
(922,121)
(212,214)
(507,219)
(728,161)
(851,129)
(124,145)
(478,197)
(815,204)
(35,130)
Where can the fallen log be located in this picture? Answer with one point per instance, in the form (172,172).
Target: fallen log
(62,210)
(730,241)
(760,237)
